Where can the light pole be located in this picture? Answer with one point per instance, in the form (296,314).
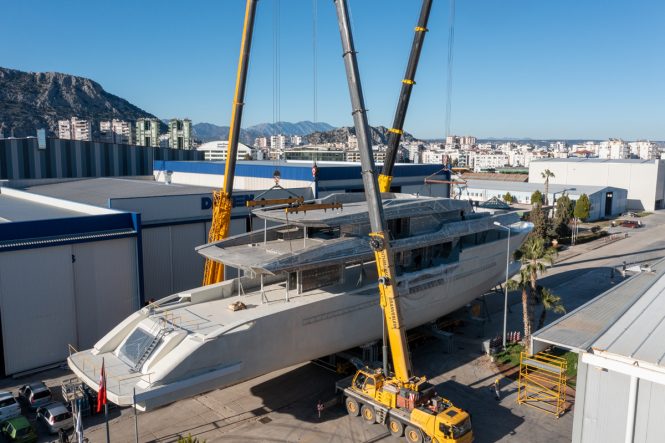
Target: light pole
(505,296)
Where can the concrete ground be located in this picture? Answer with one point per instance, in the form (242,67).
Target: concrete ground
(281,406)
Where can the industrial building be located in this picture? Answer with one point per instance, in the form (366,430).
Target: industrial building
(68,273)
(643,179)
(174,220)
(330,176)
(620,389)
(216,151)
(22,158)
(606,201)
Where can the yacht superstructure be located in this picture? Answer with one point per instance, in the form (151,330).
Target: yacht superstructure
(307,289)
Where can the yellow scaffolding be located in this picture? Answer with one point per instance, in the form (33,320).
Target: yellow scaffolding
(542,382)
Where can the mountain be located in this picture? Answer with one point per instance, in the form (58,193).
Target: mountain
(208,131)
(379,135)
(31,100)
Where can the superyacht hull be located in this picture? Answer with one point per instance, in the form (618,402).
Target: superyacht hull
(202,345)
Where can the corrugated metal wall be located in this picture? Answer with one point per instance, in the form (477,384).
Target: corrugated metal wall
(55,296)
(170,263)
(22,159)
(601,407)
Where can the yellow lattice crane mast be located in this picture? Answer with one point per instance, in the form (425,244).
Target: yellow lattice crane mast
(405,402)
(397,129)
(221,207)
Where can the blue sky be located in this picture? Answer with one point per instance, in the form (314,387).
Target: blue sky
(523,68)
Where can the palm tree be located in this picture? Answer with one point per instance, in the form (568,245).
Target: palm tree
(535,257)
(550,302)
(523,285)
(546,174)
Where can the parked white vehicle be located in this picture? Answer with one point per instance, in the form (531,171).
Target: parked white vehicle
(9,407)
(55,416)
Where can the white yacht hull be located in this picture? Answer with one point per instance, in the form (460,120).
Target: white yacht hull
(304,328)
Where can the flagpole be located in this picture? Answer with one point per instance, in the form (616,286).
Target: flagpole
(101,399)
(136,417)
(106,416)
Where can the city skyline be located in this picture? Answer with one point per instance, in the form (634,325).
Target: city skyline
(522,70)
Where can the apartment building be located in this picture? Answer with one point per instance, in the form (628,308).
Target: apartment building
(75,129)
(279,142)
(180,134)
(116,131)
(261,142)
(147,132)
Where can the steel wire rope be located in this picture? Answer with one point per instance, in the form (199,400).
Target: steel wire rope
(449,76)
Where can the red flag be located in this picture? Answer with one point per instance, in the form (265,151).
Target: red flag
(101,394)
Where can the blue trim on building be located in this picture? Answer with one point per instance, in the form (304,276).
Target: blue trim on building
(291,171)
(60,227)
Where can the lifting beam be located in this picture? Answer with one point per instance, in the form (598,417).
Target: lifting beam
(395,133)
(221,210)
(379,237)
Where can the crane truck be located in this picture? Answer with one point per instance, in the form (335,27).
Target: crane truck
(405,402)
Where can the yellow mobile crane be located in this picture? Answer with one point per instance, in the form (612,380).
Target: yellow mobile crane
(221,208)
(407,403)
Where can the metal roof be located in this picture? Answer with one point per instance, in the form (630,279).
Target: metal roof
(531,187)
(640,332)
(13,209)
(98,191)
(627,320)
(593,160)
(494,203)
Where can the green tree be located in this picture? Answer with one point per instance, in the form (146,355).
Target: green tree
(547,174)
(508,198)
(550,302)
(562,216)
(536,197)
(535,256)
(582,208)
(540,224)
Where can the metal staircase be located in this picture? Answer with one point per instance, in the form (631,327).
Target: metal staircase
(148,350)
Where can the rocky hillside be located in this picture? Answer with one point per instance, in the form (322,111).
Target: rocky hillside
(341,135)
(31,100)
(208,131)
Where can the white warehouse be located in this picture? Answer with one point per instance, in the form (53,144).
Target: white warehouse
(68,273)
(620,389)
(643,179)
(606,201)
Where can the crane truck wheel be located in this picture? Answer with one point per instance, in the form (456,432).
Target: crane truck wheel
(413,435)
(368,413)
(352,407)
(395,427)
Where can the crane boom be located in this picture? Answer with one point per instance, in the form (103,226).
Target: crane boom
(396,131)
(379,236)
(221,211)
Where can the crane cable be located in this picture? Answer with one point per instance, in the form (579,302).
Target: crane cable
(449,77)
(314,58)
(276,81)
